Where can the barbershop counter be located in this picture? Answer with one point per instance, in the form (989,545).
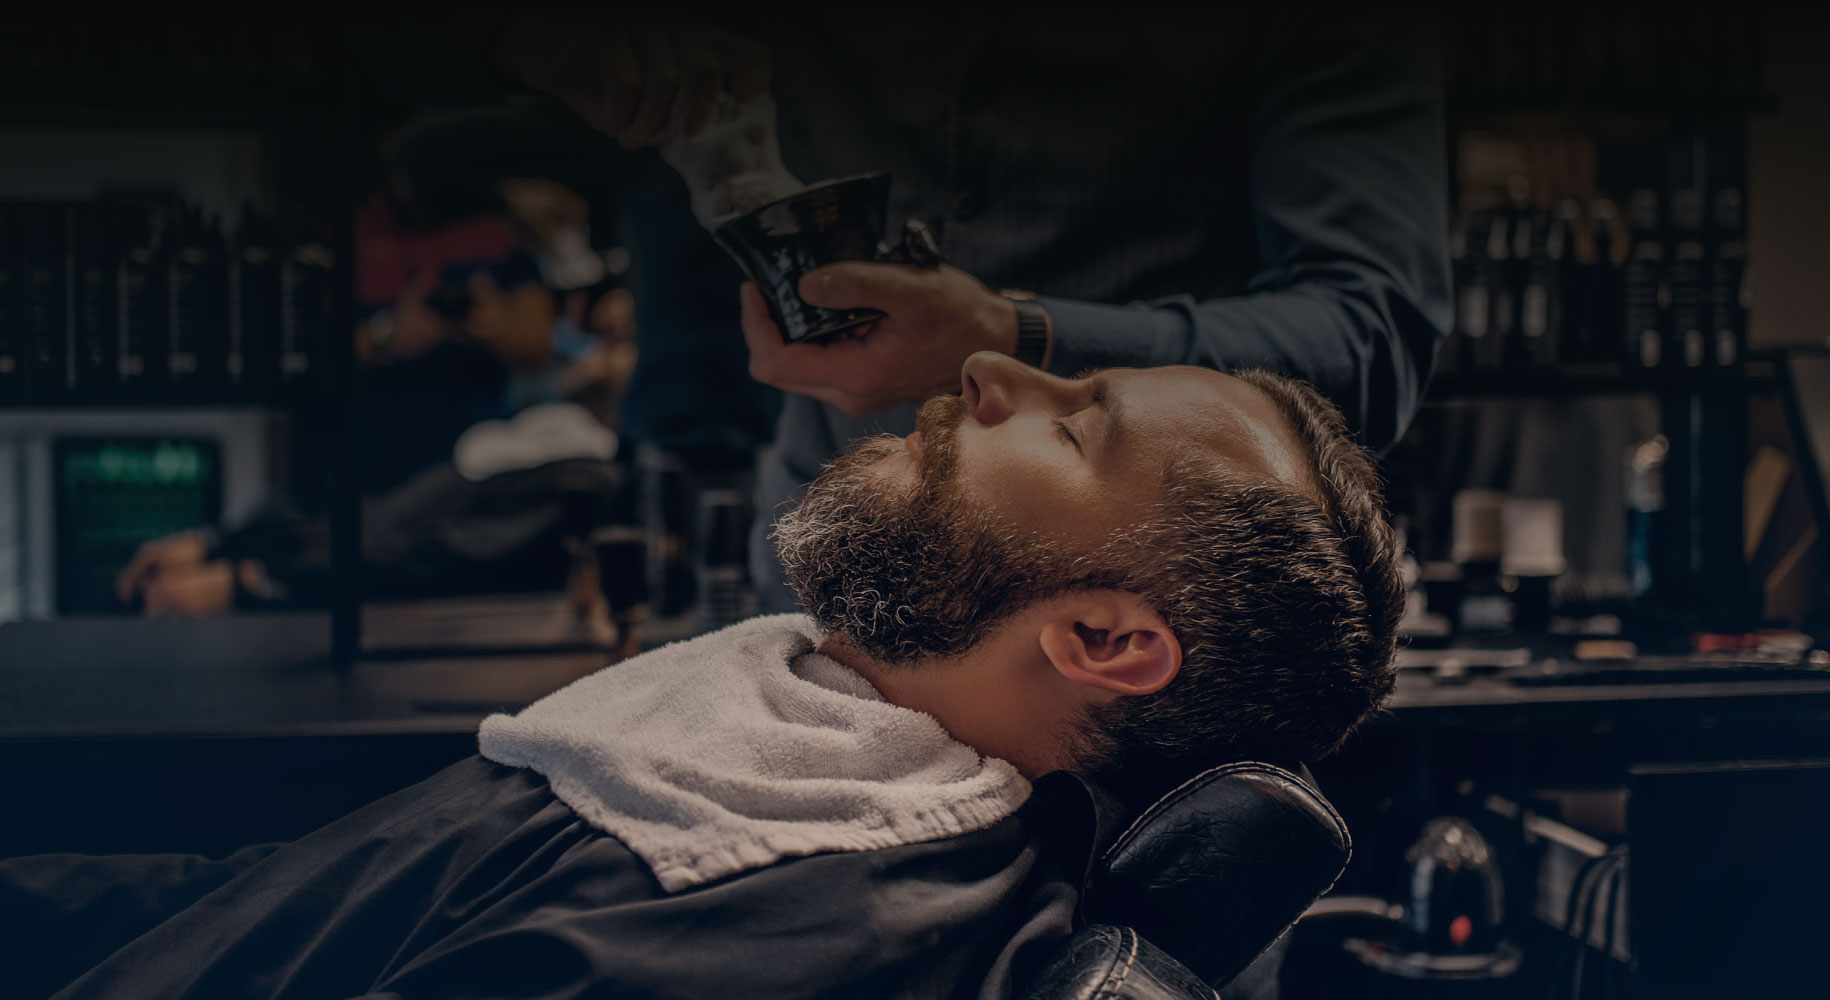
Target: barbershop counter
(128,735)
(209,735)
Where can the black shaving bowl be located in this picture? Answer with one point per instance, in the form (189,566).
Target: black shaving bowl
(833,221)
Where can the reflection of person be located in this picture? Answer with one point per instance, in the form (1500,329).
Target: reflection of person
(1128,577)
(1263,190)
(460,332)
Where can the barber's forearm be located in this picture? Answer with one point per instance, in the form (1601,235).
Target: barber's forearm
(1370,353)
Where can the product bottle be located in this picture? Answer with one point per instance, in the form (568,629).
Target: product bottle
(141,310)
(1540,299)
(46,309)
(1686,342)
(1725,285)
(1473,313)
(92,299)
(13,350)
(1502,292)
(307,305)
(1604,283)
(1645,514)
(196,298)
(1645,297)
(252,364)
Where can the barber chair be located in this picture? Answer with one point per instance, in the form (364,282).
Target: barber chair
(1202,884)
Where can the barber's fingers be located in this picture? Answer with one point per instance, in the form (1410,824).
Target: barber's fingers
(833,371)
(893,288)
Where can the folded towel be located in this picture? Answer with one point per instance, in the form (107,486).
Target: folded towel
(733,750)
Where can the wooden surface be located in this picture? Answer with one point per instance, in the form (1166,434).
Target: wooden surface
(270,674)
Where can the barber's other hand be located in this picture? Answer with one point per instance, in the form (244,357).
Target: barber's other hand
(934,319)
(635,80)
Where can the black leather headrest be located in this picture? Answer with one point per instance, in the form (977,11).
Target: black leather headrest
(1103,962)
(1217,870)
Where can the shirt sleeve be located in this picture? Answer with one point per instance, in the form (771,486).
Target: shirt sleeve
(1349,203)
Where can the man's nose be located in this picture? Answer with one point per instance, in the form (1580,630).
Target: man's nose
(996,386)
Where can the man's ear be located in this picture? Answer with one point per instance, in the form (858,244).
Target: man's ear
(1110,639)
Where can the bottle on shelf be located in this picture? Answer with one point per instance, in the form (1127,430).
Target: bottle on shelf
(1540,295)
(1502,300)
(44,308)
(1645,297)
(252,362)
(1514,269)
(12,340)
(141,307)
(1473,293)
(1569,248)
(1725,255)
(196,300)
(1685,342)
(1604,283)
(307,307)
(93,316)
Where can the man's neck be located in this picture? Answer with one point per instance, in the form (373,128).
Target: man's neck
(977,697)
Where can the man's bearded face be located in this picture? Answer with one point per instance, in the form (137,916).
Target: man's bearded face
(910,570)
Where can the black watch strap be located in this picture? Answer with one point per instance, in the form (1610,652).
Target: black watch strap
(1033,328)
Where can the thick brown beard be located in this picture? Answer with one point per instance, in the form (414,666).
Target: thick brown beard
(910,571)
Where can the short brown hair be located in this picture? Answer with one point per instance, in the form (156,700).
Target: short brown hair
(1285,601)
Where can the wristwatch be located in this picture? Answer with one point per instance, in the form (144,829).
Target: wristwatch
(1035,328)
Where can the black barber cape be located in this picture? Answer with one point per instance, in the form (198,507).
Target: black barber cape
(478,882)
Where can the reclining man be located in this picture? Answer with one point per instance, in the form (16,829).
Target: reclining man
(1053,587)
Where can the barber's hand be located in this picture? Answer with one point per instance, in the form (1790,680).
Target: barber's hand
(934,319)
(633,80)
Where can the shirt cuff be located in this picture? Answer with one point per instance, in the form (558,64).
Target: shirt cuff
(1097,335)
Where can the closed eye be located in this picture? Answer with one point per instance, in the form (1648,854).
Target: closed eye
(1062,429)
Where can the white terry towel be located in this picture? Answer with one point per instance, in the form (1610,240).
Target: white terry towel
(736,749)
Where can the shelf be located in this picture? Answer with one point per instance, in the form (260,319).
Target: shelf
(1650,104)
(1599,380)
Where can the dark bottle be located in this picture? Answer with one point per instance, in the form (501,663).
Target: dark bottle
(1725,284)
(1574,245)
(196,296)
(307,307)
(93,254)
(13,350)
(1644,294)
(140,304)
(254,308)
(1502,297)
(45,311)
(1602,285)
(1515,274)
(1449,356)
(1685,340)
(1473,292)
(1539,245)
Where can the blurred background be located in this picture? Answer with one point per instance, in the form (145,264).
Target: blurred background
(332,419)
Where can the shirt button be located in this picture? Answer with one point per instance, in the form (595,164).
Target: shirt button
(968,205)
